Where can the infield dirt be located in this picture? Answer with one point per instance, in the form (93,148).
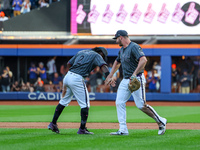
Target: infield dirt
(195,126)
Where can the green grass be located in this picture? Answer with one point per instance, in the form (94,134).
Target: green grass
(179,114)
(42,139)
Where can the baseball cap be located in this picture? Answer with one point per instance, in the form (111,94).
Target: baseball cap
(104,51)
(120,33)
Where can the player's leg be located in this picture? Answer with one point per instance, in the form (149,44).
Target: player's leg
(81,94)
(140,101)
(65,100)
(123,94)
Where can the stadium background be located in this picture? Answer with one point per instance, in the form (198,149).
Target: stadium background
(47,32)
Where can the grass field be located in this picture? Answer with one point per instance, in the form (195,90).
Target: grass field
(177,114)
(36,139)
(41,139)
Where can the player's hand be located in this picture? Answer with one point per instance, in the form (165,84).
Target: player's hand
(110,81)
(113,83)
(109,77)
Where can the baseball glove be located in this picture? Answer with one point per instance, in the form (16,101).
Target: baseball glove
(134,84)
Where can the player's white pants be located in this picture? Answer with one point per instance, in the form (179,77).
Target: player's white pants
(75,86)
(123,95)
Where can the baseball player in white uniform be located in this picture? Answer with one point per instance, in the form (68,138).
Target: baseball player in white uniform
(133,61)
(80,66)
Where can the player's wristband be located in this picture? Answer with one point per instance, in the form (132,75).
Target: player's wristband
(106,74)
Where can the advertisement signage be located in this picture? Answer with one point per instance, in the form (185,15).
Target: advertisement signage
(138,17)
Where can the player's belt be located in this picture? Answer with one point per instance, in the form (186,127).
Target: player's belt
(138,75)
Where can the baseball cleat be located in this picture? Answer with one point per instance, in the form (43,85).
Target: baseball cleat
(118,133)
(162,128)
(53,127)
(84,131)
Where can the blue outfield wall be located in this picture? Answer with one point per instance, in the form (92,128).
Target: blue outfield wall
(165,53)
(193,97)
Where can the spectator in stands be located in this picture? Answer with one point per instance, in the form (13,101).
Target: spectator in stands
(26,6)
(2,16)
(7,8)
(9,72)
(59,87)
(51,65)
(192,72)
(33,4)
(32,71)
(39,80)
(24,88)
(185,81)
(41,70)
(63,69)
(174,78)
(17,4)
(40,88)
(182,65)
(190,65)
(43,3)
(15,87)
(152,80)
(157,66)
(1,5)
(56,78)
(32,89)
(5,80)
(28,86)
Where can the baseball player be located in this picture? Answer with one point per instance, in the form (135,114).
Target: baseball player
(80,65)
(133,61)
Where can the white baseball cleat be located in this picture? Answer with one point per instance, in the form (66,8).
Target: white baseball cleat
(162,128)
(118,133)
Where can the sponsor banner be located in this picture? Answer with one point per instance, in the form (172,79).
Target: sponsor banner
(50,96)
(138,17)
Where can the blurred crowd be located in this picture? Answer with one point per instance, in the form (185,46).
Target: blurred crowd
(186,75)
(12,8)
(46,77)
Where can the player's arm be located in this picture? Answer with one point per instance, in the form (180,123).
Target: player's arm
(115,67)
(141,64)
(105,70)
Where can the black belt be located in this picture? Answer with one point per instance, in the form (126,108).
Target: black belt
(138,75)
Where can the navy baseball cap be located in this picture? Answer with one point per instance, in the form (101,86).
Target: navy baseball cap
(120,33)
